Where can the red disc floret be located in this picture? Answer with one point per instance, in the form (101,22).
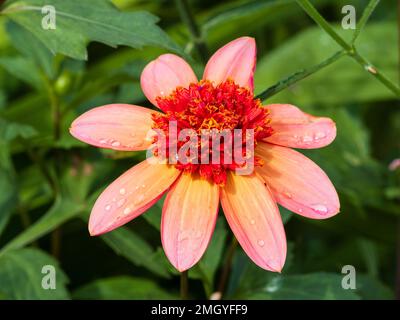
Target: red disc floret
(206,108)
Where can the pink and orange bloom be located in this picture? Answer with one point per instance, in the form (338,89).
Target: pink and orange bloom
(222,100)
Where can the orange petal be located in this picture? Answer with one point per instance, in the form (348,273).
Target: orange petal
(296,129)
(115,126)
(254,218)
(130,195)
(297,183)
(188,220)
(163,75)
(236,60)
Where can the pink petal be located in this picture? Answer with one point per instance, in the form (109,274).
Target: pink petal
(188,220)
(130,195)
(297,183)
(254,218)
(163,75)
(296,129)
(236,60)
(115,126)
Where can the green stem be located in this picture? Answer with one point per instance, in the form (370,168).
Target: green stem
(227,266)
(56,113)
(364,18)
(375,72)
(320,20)
(184,285)
(350,49)
(300,75)
(188,19)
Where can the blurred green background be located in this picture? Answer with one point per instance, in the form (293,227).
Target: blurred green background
(49,181)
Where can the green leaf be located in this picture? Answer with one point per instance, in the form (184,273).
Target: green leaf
(370,288)
(122,288)
(61,211)
(351,83)
(126,243)
(8,194)
(31,47)
(246,17)
(78,22)
(246,277)
(21,276)
(22,69)
(11,130)
(206,268)
(314,286)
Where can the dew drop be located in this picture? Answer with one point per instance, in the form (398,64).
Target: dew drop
(300,210)
(320,135)
(320,208)
(103,141)
(107,207)
(252,221)
(288,195)
(122,191)
(307,139)
(139,199)
(120,203)
(127,210)
(261,243)
(116,144)
(183,236)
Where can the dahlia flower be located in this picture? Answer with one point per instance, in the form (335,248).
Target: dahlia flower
(222,101)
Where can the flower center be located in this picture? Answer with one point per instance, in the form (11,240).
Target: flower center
(210,129)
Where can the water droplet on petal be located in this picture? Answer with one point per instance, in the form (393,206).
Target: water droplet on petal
(320,135)
(116,144)
(122,191)
(139,199)
(252,221)
(300,210)
(182,236)
(120,203)
(287,194)
(103,141)
(307,139)
(261,243)
(127,210)
(107,207)
(320,208)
